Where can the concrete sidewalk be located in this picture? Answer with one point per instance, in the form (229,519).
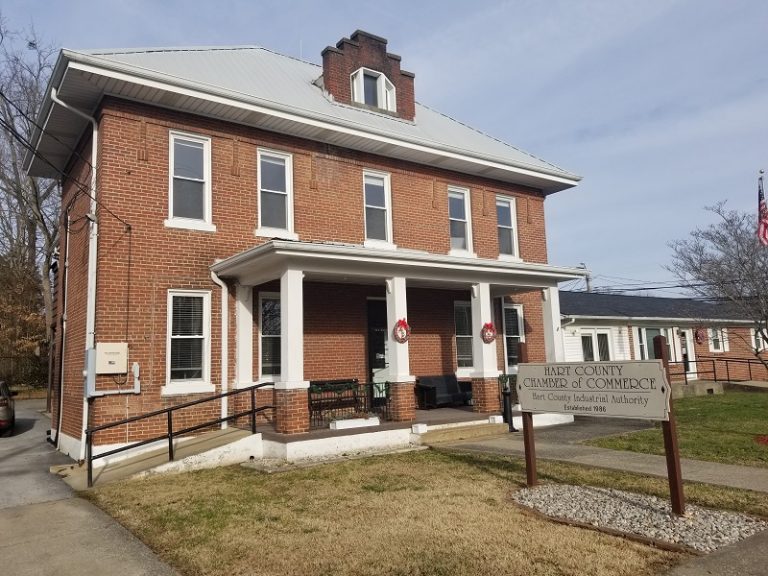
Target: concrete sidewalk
(744,477)
(45,530)
(746,558)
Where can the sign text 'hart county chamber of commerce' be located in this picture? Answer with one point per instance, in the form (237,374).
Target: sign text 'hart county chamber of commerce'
(614,389)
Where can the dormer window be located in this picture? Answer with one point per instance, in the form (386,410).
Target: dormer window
(373,89)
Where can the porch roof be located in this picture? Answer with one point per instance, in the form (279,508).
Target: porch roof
(353,263)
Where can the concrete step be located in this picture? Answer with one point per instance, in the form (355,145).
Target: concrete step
(454,433)
(184,448)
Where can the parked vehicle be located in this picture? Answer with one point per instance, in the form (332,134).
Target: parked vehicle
(7,410)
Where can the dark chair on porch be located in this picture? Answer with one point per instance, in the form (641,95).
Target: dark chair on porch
(442,390)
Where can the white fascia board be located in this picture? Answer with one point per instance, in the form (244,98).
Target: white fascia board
(135,75)
(322,257)
(657,319)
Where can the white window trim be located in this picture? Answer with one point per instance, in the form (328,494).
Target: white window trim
(199,386)
(462,371)
(386,95)
(723,333)
(267,377)
(205,225)
(520,327)
(763,343)
(640,335)
(387,244)
(592,333)
(513,216)
(268,231)
(468,251)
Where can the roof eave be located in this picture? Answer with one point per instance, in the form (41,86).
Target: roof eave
(548,181)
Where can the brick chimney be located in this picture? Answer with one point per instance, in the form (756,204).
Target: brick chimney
(364,50)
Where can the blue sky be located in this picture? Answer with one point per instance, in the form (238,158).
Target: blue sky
(662,107)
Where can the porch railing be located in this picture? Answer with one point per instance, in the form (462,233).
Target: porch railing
(170,433)
(340,399)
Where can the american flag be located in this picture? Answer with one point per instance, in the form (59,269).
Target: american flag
(762,214)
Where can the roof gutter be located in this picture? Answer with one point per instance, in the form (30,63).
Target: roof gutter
(90,310)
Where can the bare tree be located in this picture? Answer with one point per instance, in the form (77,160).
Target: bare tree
(725,261)
(29,206)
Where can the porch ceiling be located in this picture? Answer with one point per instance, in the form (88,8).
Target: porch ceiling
(349,263)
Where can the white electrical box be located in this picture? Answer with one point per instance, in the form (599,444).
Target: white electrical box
(112,358)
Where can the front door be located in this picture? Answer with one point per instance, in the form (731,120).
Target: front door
(377,341)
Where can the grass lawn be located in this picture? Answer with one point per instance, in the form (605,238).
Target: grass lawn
(420,513)
(721,428)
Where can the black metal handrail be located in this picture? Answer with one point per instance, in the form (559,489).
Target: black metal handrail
(170,434)
(702,362)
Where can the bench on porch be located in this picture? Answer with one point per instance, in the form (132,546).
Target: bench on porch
(442,390)
(328,397)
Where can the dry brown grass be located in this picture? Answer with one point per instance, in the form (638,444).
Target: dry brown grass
(424,513)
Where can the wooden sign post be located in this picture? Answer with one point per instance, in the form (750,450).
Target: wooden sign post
(669,429)
(530,445)
(624,389)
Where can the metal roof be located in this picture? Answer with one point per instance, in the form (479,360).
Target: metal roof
(255,86)
(596,305)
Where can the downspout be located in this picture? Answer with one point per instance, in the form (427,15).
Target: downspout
(64,288)
(90,310)
(224,345)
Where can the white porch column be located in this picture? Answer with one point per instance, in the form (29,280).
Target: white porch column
(553,334)
(483,355)
(397,308)
(291,331)
(244,336)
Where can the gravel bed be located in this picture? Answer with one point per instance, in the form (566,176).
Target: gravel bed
(702,529)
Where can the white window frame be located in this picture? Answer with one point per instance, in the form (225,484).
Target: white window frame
(593,334)
(206,224)
(641,353)
(286,233)
(465,193)
(463,371)
(512,202)
(723,339)
(268,377)
(198,385)
(387,244)
(520,328)
(386,94)
(763,345)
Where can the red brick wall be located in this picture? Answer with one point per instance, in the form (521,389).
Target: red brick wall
(139,264)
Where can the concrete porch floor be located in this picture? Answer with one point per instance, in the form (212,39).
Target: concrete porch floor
(436,416)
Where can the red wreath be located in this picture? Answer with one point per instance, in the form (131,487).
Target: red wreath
(699,336)
(401,331)
(488,332)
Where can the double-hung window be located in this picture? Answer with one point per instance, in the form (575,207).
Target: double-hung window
(188,343)
(460,223)
(189,195)
(269,321)
(514,333)
(462,312)
(718,340)
(595,345)
(275,195)
(378,214)
(373,89)
(506,222)
(758,342)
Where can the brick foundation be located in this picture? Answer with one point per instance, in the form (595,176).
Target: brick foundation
(403,402)
(485,394)
(291,411)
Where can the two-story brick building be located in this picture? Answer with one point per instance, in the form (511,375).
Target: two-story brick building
(232,216)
